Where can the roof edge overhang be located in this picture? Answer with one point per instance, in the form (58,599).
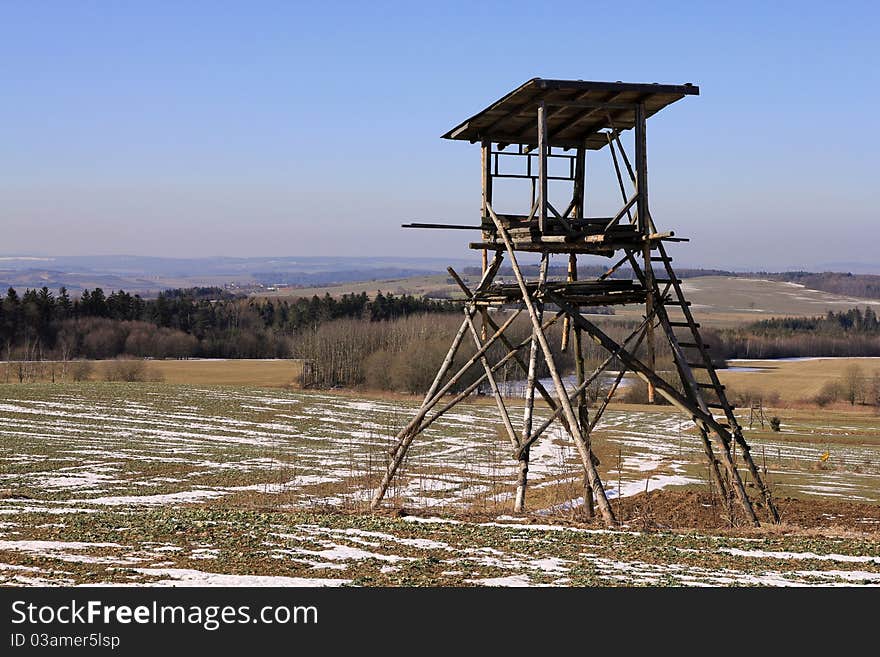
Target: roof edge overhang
(538,89)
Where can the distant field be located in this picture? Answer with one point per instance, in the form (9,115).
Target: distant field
(794,380)
(717,300)
(727,301)
(281,373)
(418,285)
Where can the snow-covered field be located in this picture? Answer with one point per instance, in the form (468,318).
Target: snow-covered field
(148,445)
(200,547)
(93,475)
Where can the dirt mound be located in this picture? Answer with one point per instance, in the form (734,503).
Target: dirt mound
(689,509)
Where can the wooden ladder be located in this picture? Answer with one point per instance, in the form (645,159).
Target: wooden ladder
(692,352)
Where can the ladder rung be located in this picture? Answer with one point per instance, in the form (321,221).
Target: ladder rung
(691,345)
(721,406)
(699,365)
(660,259)
(711,386)
(683,325)
(667,280)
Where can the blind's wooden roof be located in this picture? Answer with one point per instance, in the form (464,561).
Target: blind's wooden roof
(576,111)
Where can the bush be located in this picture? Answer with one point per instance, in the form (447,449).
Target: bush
(635,393)
(775,423)
(413,370)
(125,370)
(831,392)
(81,370)
(377,370)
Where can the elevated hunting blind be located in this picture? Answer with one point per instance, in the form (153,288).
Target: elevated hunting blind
(548,126)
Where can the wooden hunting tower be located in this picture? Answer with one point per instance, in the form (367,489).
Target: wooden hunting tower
(555,122)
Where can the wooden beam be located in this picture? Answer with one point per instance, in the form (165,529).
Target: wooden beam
(594,141)
(581,445)
(557,411)
(512,354)
(642,170)
(619,176)
(528,407)
(490,376)
(542,169)
(624,210)
(440,226)
(406,435)
(645,227)
(672,395)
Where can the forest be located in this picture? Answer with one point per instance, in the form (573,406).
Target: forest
(853,332)
(351,340)
(197,322)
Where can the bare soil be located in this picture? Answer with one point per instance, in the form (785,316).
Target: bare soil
(682,510)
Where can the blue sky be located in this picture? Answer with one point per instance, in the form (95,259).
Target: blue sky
(261,128)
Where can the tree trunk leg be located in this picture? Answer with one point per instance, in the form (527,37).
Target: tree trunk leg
(523,461)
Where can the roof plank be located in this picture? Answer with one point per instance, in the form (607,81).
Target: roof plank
(511,118)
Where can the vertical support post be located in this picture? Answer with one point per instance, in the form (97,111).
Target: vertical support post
(582,409)
(580,184)
(566,321)
(531,374)
(645,229)
(578,196)
(577,201)
(580,168)
(486,178)
(642,169)
(543,149)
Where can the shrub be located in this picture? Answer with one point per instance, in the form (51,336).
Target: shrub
(125,370)
(775,423)
(377,370)
(635,393)
(831,392)
(81,370)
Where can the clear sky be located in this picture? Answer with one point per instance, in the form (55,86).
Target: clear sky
(286,128)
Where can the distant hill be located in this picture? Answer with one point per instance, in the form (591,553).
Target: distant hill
(864,286)
(146,275)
